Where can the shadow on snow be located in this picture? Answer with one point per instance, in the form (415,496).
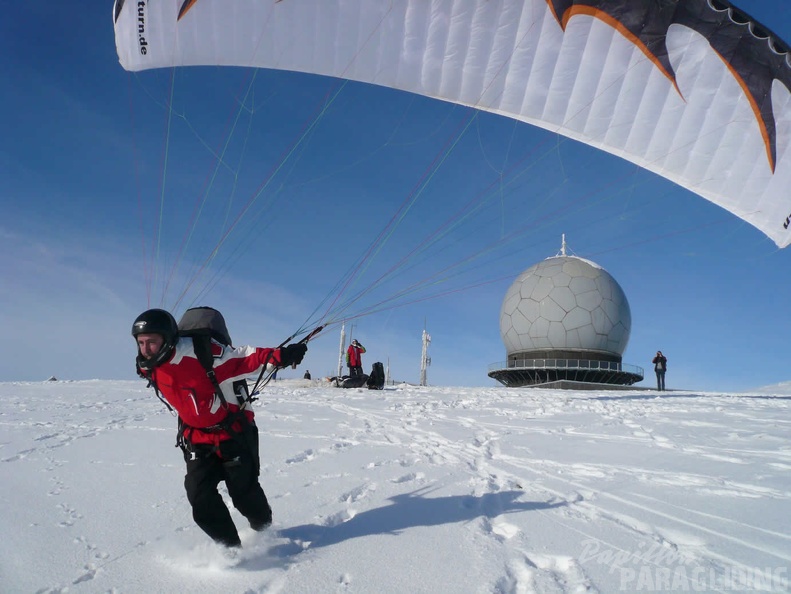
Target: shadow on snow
(410,510)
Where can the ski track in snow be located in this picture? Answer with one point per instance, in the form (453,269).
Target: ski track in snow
(615,474)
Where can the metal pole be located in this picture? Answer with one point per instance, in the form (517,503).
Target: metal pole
(340,350)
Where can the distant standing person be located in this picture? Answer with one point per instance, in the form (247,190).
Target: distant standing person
(354,358)
(660,366)
(307,374)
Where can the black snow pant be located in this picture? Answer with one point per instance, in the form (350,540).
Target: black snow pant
(237,464)
(355,370)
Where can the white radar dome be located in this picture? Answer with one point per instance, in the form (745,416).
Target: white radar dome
(565,303)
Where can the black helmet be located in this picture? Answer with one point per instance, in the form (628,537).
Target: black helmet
(157,321)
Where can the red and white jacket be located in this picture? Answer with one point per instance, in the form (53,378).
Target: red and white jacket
(354,355)
(183,383)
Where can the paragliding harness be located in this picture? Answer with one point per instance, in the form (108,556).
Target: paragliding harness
(202,324)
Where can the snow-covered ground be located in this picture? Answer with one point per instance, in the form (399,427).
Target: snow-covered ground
(406,490)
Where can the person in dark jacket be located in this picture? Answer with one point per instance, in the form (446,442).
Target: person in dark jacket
(660,367)
(217,434)
(354,358)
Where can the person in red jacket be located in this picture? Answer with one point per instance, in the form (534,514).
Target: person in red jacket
(217,432)
(354,358)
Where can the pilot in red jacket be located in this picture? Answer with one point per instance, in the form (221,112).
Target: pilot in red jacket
(219,439)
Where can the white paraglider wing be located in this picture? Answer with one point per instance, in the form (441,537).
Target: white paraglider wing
(692,90)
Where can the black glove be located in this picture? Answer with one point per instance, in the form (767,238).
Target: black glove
(292,354)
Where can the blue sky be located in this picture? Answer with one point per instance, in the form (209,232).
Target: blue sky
(87,152)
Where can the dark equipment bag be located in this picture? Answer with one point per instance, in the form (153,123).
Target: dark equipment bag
(202,324)
(204,321)
(376,381)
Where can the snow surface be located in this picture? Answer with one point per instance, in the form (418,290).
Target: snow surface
(406,490)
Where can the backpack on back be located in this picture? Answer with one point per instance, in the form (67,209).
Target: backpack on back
(204,321)
(202,324)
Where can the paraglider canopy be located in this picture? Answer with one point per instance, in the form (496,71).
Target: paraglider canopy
(693,90)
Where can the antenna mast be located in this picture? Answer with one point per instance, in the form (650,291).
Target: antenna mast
(425,360)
